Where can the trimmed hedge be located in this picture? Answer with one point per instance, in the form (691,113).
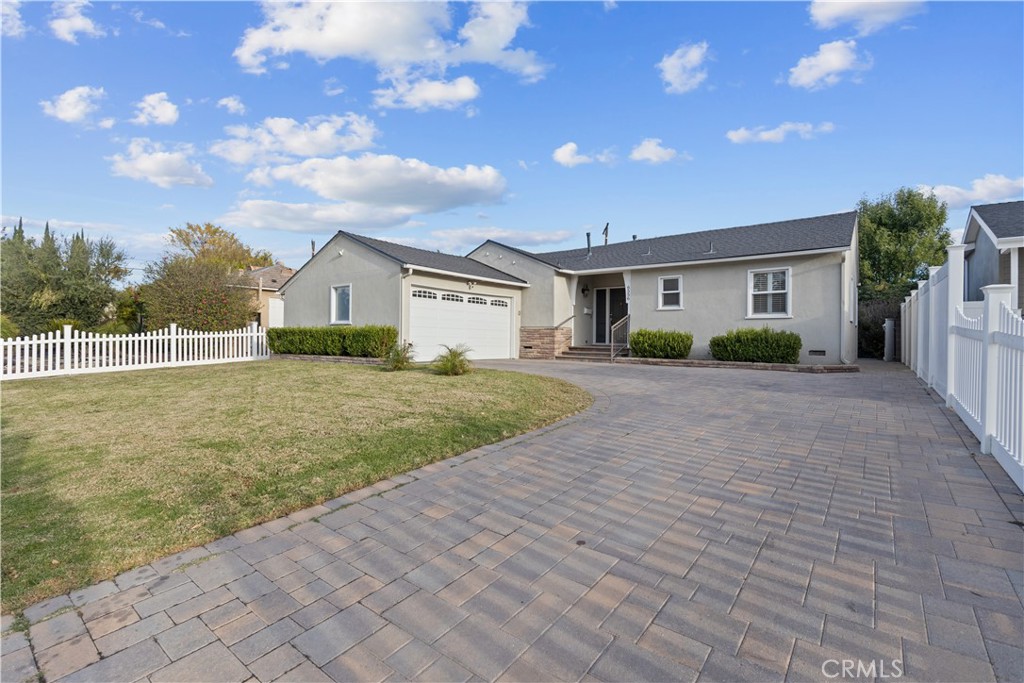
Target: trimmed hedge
(753,345)
(660,344)
(366,341)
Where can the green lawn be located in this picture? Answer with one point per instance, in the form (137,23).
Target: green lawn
(103,473)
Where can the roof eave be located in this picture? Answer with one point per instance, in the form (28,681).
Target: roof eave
(474,278)
(675,264)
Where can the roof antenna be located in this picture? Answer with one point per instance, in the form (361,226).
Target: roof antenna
(312,248)
(605,233)
(711,247)
(589,251)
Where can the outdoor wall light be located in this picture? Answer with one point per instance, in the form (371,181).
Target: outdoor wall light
(585,291)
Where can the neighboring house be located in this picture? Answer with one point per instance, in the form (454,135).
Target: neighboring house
(798,275)
(995,250)
(265,283)
(433,299)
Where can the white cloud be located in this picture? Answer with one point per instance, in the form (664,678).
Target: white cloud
(568,155)
(233,104)
(682,70)
(149,161)
(155,108)
(107,123)
(826,67)
(265,214)
(140,18)
(405,41)
(11,25)
(807,131)
(427,94)
(332,88)
(651,151)
(282,139)
(867,15)
(390,181)
(74,105)
(68,20)
(457,240)
(985,190)
(609,5)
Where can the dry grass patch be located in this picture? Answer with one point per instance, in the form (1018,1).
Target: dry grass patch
(103,473)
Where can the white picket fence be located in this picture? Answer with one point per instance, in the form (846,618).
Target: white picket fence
(972,354)
(71,352)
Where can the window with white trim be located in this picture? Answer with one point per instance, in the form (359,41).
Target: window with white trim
(670,292)
(341,305)
(769,293)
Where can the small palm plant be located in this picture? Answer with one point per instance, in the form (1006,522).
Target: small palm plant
(398,358)
(453,360)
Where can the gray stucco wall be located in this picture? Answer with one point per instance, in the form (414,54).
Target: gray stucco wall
(375,282)
(715,300)
(982,267)
(538,298)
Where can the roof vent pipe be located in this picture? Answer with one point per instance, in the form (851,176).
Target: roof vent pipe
(634,238)
(589,252)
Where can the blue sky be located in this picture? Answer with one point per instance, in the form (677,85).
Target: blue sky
(442,125)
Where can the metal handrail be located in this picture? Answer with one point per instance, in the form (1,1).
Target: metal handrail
(624,323)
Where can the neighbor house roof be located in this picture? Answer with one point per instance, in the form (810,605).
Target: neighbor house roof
(1005,220)
(820,233)
(269,277)
(434,260)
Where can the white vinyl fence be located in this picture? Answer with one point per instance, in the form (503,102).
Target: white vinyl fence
(973,355)
(71,352)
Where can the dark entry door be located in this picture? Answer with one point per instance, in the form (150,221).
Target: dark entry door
(609,308)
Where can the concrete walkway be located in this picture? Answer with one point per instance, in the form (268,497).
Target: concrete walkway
(694,524)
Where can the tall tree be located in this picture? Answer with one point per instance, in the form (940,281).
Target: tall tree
(208,242)
(66,278)
(901,234)
(198,284)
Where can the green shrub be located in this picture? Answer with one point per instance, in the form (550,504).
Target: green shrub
(8,330)
(311,341)
(367,341)
(399,358)
(112,327)
(453,361)
(370,341)
(752,345)
(57,324)
(660,344)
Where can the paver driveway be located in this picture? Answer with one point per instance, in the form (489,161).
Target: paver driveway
(694,524)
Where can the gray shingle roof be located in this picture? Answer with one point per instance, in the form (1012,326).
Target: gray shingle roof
(273,276)
(1004,220)
(433,259)
(803,234)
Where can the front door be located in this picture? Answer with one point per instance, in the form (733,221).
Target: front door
(609,308)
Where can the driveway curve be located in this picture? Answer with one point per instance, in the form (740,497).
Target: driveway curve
(693,524)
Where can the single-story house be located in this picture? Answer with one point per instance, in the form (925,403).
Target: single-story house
(798,275)
(994,238)
(265,282)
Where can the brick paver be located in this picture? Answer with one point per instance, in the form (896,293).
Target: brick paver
(693,525)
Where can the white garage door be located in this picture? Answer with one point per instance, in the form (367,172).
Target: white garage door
(483,323)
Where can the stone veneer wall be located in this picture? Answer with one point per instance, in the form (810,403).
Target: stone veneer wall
(543,343)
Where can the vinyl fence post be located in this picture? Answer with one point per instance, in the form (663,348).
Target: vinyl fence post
(172,338)
(995,296)
(68,361)
(254,341)
(955,280)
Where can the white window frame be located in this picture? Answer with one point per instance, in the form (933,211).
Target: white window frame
(661,293)
(750,294)
(334,304)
